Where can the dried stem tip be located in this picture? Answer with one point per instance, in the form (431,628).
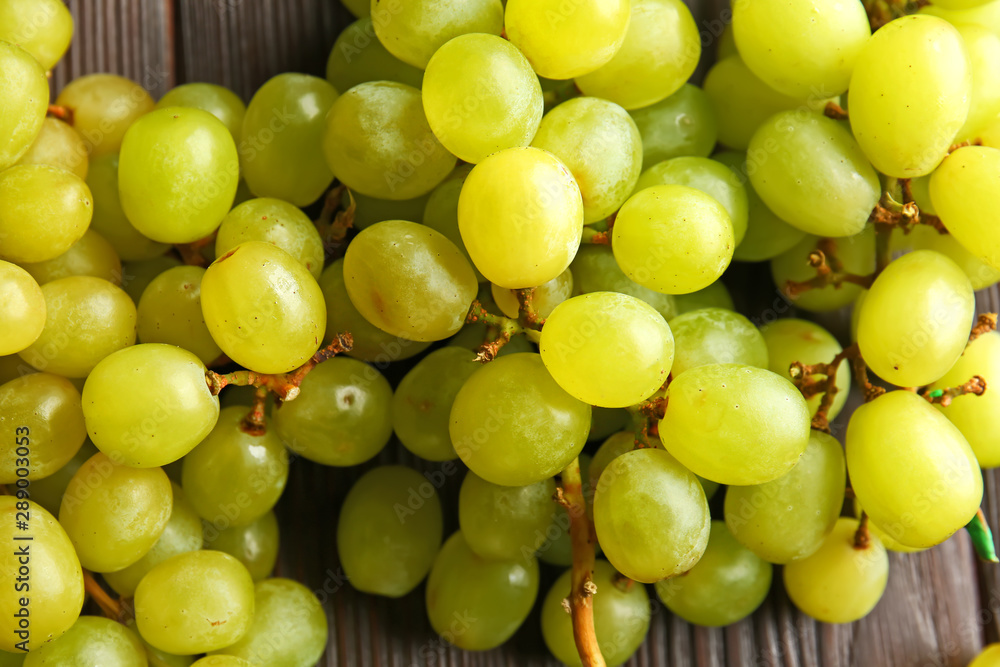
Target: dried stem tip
(943,397)
(986,323)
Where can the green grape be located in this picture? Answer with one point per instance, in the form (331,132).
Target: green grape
(725,586)
(925,237)
(839,583)
(622,443)
(725,45)
(421,405)
(370,343)
(480,96)
(716,336)
(148,405)
(502,522)
(742,102)
(341,418)
(377,141)
(43,211)
(195,602)
(595,270)
(710,177)
(235,474)
(177,176)
(600,144)
(787,519)
(158,658)
(222,661)
(606,421)
(409,280)
(92,255)
(280,154)
(369,210)
(389,531)
(989,657)
(255,544)
(416,30)
(660,52)
(651,515)
(93,640)
(714,296)
(359,8)
(673,239)
(109,219)
(915,320)
(12,659)
(170,312)
(767,235)
(136,276)
(956,186)
(276,222)
(808,169)
(23,306)
(358,57)
(263,308)
(477,604)
(182,534)
(25,100)
(41,424)
(219,101)
(104,106)
(521,217)
(914,57)
(544,298)
(56,580)
(716,426)
(621,617)
(58,145)
(13,368)
(683,124)
(114,514)
(829,38)
(86,320)
(942,487)
(976,417)
(43,28)
(791,340)
(984,52)
(48,491)
(607,349)
(986,14)
(513,425)
(855,253)
(289,627)
(565,41)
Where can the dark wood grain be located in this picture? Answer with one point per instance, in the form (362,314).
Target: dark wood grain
(939,608)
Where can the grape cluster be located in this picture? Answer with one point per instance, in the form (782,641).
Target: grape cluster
(529,202)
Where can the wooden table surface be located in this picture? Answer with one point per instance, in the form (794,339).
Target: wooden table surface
(940,606)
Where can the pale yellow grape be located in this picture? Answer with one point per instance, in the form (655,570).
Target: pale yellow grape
(961,191)
(984,54)
(566,40)
(409,280)
(104,106)
(661,49)
(263,308)
(415,30)
(607,349)
(23,103)
(378,141)
(544,298)
(839,583)
(915,320)
(735,424)
(92,255)
(600,144)
(521,217)
(480,96)
(114,514)
(989,657)
(716,336)
(912,469)
(109,219)
(273,221)
(977,417)
(23,306)
(673,239)
(219,101)
(43,211)
(95,640)
(913,57)
(828,38)
(59,145)
(43,28)
(986,14)
(925,237)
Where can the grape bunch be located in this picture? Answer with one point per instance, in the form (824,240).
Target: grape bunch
(498,234)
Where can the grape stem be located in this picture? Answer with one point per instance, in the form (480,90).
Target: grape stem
(881,12)
(255,422)
(527,314)
(111,608)
(862,538)
(829,271)
(595,237)
(284,385)
(835,111)
(506,327)
(65,114)
(804,377)
(986,323)
(646,416)
(191,252)
(570,496)
(976,386)
(333,224)
(963,144)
